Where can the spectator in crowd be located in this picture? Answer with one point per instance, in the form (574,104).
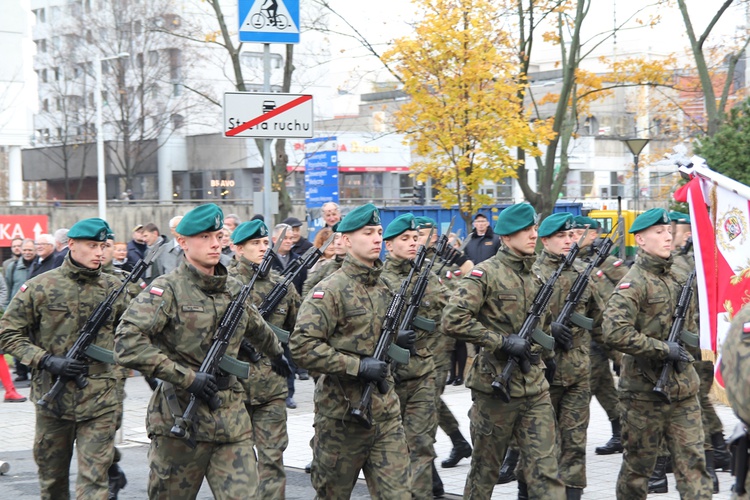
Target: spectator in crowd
(15,248)
(226,246)
(15,276)
(169,258)
(45,256)
(120,259)
(483,242)
(231,222)
(329,253)
(61,245)
(331,213)
(137,246)
(151,236)
(300,243)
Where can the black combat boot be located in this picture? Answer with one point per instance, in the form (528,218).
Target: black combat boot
(461,449)
(614,445)
(722,457)
(657,483)
(437,484)
(508,470)
(573,493)
(117,480)
(711,470)
(523,491)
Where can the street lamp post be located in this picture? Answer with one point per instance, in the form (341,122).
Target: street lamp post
(100,170)
(636,146)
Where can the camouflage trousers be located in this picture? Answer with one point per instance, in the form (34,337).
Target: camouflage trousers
(53,451)
(645,423)
(417,398)
(446,420)
(530,421)
(177,470)
(271,439)
(342,448)
(571,405)
(603,385)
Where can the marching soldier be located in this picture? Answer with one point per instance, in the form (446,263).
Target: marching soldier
(415,382)
(39,327)
(328,267)
(488,308)
(165,333)
(337,329)
(265,390)
(636,322)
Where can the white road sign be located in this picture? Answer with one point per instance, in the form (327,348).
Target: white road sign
(251,114)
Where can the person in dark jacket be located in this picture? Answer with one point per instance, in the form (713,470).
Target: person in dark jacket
(137,246)
(301,244)
(45,256)
(483,243)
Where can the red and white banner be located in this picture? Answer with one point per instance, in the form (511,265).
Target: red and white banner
(720,219)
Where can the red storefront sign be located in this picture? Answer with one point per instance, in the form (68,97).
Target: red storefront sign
(21,226)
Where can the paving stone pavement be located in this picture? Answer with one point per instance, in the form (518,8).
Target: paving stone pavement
(17,434)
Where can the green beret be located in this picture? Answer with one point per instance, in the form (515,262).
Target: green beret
(649,218)
(562,221)
(405,222)
(679,218)
(514,218)
(249,230)
(208,217)
(366,215)
(94,229)
(580,222)
(425,222)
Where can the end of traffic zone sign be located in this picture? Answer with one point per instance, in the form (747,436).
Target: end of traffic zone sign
(252,114)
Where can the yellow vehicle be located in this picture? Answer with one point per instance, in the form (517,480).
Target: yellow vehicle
(608,220)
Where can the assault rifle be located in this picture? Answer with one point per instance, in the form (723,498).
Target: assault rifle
(530,329)
(410,318)
(567,314)
(280,289)
(84,345)
(385,348)
(215,358)
(450,255)
(677,334)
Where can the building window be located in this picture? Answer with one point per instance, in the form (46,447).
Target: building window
(43,75)
(58,104)
(59,133)
(153,57)
(89,37)
(361,187)
(175,65)
(45,105)
(40,15)
(177,121)
(57,74)
(660,185)
(41,46)
(588,183)
(139,60)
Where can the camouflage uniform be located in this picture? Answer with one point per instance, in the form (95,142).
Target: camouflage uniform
(415,382)
(490,303)
(324,270)
(45,316)
(442,360)
(265,390)
(570,389)
(165,333)
(636,322)
(339,323)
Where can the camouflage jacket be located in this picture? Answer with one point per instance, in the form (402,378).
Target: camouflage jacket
(339,323)
(324,270)
(166,333)
(572,365)
(264,384)
(637,322)
(433,302)
(490,303)
(46,316)
(735,363)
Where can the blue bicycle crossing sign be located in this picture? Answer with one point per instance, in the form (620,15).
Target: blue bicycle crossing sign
(269,21)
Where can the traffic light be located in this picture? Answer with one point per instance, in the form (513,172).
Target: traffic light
(419,193)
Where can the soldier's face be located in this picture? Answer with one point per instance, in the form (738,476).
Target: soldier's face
(109,252)
(656,240)
(338,245)
(680,235)
(403,246)
(202,250)
(558,243)
(522,242)
(422,236)
(365,243)
(253,250)
(87,253)
(591,236)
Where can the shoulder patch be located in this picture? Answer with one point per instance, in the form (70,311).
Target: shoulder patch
(156,291)
(318,295)
(143,285)
(746,327)
(448,274)
(457,272)
(624,286)
(617,263)
(24,287)
(477,273)
(600,273)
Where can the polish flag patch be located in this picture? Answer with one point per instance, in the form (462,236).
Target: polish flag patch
(156,291)
(457,272)
(24,287)
(477,273)
(624,286)
(143,285)
(600,273)
(617,263)
(746,328)
(448,274)
(318,295)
